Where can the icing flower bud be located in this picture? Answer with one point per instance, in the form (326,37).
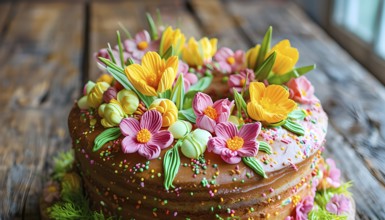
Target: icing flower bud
(101,110)
(109,94)
(129,101)
(234,119)
(88,87)
(105,78)
(180,129)
(95,96)
(195,143)
(251,57)
(113,114)
(167,109)
(82,103)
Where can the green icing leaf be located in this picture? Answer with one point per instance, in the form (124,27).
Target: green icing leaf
(153,29)
(120,49)
(240,103)
(188,99)
(295,73)
(265,47)
(187,114)
(109,50)
(294,127)
(120,76)
(254,165)
(128,35)
(177,94)
(106,136)
(264,70)
(171,164)
(202,83)
(169,52)
(298,114)
(265,147)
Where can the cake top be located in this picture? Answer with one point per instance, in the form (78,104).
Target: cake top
(161,93)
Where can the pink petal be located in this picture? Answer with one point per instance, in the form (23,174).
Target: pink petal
(224,67)
(201,102)
(239,56)
(216,145)
(130,145)
(182,67)
(223,53)
(249,149)
(142,36)
(151,120)
(162,138)
(226,130)
(332,208)
(129,126)
(129,45)
(235,80)
(206,123)
(231,159)
(149,151)
(192,78)
(249,132)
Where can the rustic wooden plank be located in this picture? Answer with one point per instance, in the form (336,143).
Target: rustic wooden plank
(5,11)
(105,17)
(216,23)
(41,53)
(353,99)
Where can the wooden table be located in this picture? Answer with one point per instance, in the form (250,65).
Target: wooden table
(46,57)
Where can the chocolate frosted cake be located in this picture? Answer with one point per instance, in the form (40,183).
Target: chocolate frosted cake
(179,129)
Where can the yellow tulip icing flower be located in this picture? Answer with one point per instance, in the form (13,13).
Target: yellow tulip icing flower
(154,76)
(105,78)
(95,96)
(172,37)
(269,104)
(167,109)
(112,113)
(201,52)
(286,58)
(128,100)
(251,56)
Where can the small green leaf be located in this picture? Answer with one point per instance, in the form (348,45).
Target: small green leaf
(188,99)
(298,114)
(111,65)
(166,94)
(171,164)
(294,127)
(295,73)
(265,147)
(254,165)
(203,83)
(108,135)
(177,94)
(128,35)
(169,52)
(265,47)
(264,70)
(277,124)
(109,50)
(153,29)
(120,50)
(240,103)
(187,114)
(130,61)
(122,79)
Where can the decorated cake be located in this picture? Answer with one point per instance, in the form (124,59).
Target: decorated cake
(181,129)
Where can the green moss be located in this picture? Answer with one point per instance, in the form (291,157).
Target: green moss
(321,214)
(62,164)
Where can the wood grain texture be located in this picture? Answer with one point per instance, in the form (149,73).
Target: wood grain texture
(5,12)
(353,99)
(42,53)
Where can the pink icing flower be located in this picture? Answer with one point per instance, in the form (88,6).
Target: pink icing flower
(331,175)
(303,208)
(238,81)
(338,204)
(232,144)
(188,78)
(109,94)
(145,136)
(229,61)
(209,114)
(301,90)
(141,44)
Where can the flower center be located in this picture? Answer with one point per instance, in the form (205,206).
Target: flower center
(243,81)
(143,136)
(303,92)
(211,113)
(235,143)
(142,45)
(230,60)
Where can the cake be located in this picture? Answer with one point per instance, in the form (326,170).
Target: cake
(178,129)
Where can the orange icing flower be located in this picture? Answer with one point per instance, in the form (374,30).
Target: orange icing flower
(269,104)
(286,58)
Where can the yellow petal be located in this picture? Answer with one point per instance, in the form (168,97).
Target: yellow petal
(257,90)
(167,79)
(145,89)
(153,63)
(173,63)
(277,93)
(281,45)
(213,42)
(255,111)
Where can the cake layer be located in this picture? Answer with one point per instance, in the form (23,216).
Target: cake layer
(128,185)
